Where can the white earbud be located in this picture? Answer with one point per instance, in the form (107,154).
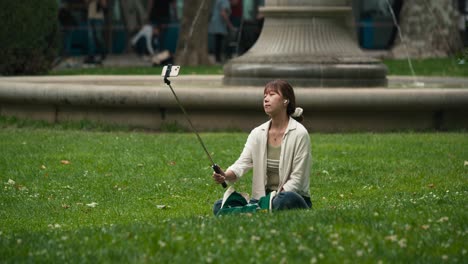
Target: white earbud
(286,101)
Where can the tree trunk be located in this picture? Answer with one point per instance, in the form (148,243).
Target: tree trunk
(192,46)
(429,29)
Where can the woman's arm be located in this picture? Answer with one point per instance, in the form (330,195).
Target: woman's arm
(301,164)
(242,164)
(226,19)
(224,176)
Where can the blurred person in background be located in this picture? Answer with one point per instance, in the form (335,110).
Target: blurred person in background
(236,21)
(219,26)
(160,14)
(145,42)
(96,12)
(252,23)
(67,25)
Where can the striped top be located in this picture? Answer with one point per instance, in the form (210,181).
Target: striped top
(273,156)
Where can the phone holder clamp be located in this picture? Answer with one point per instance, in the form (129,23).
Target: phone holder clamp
(167,74)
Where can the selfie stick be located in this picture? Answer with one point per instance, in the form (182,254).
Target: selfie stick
(215,167)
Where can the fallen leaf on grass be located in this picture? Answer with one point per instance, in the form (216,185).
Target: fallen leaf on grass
(92,205)
(11,182)
(65,162)
(431,185)
(162,206)
(402,243)
(465,163)
(443,219)
(20,187)
(425,227)
(392,238)
(54,226)
(43,167)
(161,243)
(171,163)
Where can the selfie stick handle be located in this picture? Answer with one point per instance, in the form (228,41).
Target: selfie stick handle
(215,167)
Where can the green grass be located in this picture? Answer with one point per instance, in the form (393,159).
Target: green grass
(83,125)
(444,67)
(395,198)
(186,70)
(422,67)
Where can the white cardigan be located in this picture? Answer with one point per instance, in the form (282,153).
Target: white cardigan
(295,159)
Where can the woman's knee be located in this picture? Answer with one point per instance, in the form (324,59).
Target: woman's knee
(217,206)
(289,200)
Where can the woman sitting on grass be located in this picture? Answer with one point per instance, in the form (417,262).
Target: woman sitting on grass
(278,151)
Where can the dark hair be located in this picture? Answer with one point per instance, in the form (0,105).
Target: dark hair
(285,89)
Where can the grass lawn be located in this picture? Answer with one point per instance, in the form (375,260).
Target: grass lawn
(423,67)
(122,196)
(139,70)
(444,67)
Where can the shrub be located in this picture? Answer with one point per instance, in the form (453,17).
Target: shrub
(28,36)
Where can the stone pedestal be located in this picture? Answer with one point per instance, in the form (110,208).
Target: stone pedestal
(308,43)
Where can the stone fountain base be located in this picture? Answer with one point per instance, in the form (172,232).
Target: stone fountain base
(312,75)
(309,43)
